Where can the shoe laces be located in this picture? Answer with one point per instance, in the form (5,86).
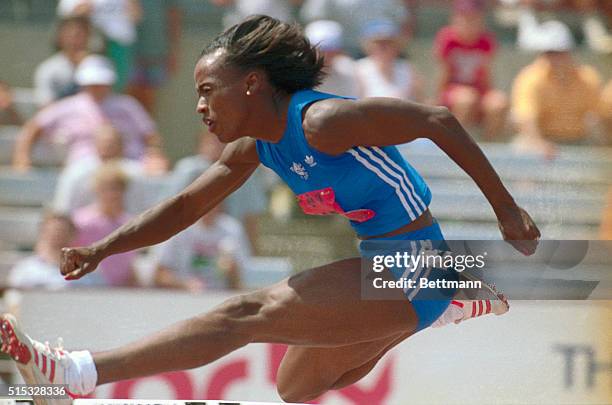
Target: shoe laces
(56,353)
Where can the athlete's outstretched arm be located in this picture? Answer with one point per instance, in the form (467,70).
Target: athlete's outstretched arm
(333,126)
(238,161)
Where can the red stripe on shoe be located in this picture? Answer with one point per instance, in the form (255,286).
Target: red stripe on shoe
(473,309)
(52,372)
(488,307)
(457,303)
(36,357)
(480,307)
(44,364)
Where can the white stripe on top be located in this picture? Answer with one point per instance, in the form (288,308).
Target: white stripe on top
(386,179)
(403,172)
(417,209)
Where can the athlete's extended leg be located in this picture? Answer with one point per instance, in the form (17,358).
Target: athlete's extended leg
(308,372)
(318,307)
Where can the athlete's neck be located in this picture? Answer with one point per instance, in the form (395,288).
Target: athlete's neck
(272,127)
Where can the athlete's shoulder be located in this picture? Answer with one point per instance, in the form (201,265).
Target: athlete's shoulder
(325,119)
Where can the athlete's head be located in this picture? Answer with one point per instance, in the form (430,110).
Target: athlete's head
(249,67)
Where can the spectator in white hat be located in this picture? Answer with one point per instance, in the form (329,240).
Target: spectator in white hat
(383,72)
(554,97)
(74,121)
(341,76)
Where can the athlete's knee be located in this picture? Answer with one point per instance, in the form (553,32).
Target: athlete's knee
(253,312)
(292,390)
(237,313)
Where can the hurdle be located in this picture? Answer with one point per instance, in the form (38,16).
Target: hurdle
(143,402)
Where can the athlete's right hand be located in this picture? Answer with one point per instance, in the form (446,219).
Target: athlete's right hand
(76,262)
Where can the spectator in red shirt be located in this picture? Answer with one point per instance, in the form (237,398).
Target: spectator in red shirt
(465,50)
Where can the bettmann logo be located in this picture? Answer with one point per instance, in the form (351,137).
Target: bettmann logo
(298,169)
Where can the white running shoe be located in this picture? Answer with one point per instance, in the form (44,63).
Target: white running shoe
(488,300)
(38,363)
(484,301)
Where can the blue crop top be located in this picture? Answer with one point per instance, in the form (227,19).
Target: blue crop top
(374,187)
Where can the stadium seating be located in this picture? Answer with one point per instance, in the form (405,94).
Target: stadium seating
(565,196)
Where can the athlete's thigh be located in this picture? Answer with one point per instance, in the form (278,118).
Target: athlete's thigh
(324,307)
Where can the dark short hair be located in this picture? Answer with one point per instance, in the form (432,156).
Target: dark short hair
(280,49)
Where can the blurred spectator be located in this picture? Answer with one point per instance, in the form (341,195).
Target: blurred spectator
(383,73)
(353,15)
(8,112)
(606,222)
(156,50)
(74,120)
(116,20)
(54,77)
(74,188)
(606,112)
(341,75)
(106,214)
(41,270)
(246,204)
(210,254)
(238,10)
(465,50)
(594,12)
(554,97)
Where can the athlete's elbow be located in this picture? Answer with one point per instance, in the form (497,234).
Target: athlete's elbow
(440,115)
(439,120)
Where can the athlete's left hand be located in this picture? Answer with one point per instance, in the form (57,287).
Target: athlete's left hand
(518,229)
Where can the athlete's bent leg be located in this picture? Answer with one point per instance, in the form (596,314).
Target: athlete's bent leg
(308,372)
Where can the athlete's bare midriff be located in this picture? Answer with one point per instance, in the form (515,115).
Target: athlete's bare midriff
(421,222)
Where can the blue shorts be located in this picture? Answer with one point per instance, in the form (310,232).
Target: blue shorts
(428,303)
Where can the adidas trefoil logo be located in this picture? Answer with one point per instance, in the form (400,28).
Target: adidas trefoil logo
(298,169)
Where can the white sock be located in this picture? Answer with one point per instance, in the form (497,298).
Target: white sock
(82,375)
(453,313)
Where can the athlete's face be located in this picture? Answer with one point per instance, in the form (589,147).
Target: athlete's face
(222,96)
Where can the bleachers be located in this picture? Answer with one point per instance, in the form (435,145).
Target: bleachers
(44,153)
(567,191)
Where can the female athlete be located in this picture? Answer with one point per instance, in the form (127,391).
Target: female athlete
(254,84)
